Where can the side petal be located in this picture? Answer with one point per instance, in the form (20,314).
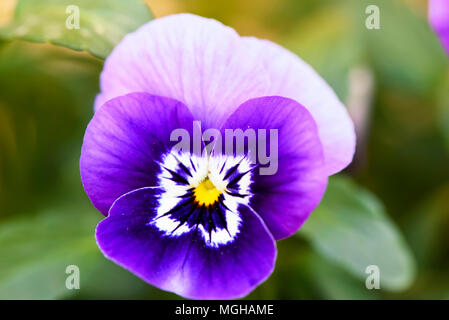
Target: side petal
(439,19)
(284,198)
(195,60)
(291,77)
(123,142)
(184,264)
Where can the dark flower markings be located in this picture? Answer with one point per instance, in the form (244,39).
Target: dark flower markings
(189,211)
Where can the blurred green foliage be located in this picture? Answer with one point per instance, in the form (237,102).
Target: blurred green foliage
(391,209)
(350,227)
(105,23)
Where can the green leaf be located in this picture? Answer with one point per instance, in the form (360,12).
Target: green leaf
(102,23)
(333,282)
(36,250)
(426,228)
(350,228)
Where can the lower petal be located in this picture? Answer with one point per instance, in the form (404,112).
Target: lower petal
(184,264)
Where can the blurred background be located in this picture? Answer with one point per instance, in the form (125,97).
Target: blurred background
(390,208)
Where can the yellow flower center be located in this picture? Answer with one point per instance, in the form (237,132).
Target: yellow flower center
(206,193)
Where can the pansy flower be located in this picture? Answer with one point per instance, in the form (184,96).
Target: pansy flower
(205,224)
(439,19)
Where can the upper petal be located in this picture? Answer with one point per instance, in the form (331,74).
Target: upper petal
(284,198)
(192,59)
(123,142)
(184,264)
(439,18)
(291,77)
(213,70)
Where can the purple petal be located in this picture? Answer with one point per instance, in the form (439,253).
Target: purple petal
(212,70)
(123,142)
(192,59)
(291,77)
(286,199)
(184,264)
(439,19)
